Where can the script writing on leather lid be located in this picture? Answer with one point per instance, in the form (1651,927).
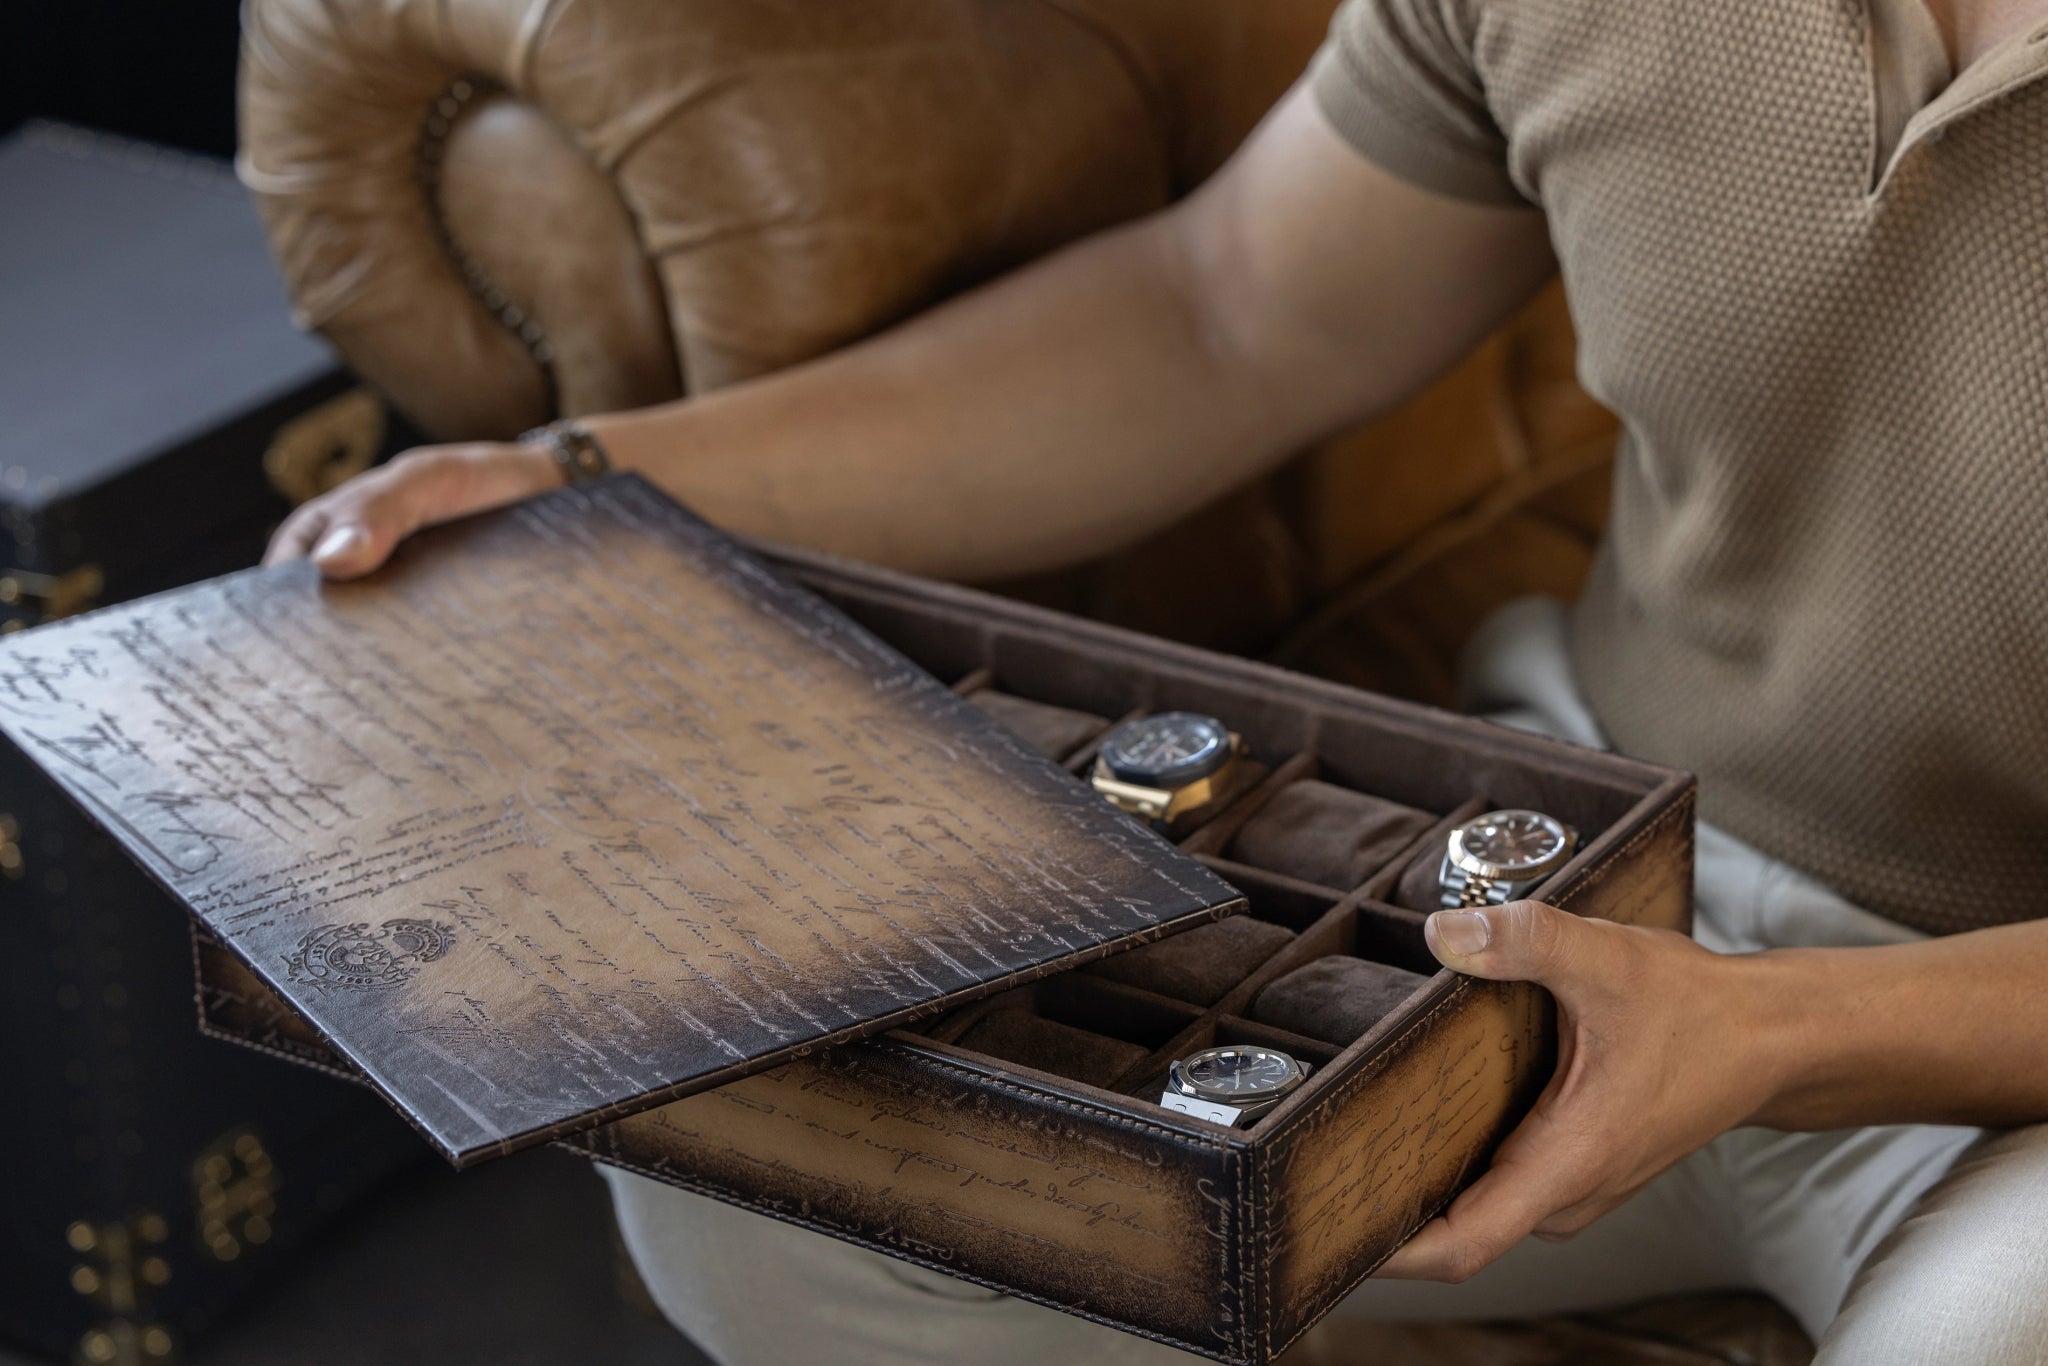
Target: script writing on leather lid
(577,808)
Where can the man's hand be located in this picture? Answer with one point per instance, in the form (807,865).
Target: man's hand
(1659,1051)
(350,530)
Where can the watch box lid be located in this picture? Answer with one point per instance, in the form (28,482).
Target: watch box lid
(575,809)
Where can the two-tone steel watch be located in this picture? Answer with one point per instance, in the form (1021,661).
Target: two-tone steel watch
(1161,767)
(1233,1083)
(1500,856)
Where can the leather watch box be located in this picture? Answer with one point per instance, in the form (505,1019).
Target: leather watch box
(1005,1126)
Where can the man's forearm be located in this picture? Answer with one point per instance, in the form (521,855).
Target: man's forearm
(1103,393)
(1950,1031)
(1048,418)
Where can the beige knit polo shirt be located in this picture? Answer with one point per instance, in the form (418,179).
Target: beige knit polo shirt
(1810,274)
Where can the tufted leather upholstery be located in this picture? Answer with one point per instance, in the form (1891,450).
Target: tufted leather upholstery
(735,186)
(503,209)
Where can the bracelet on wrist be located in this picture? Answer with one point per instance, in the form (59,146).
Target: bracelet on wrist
(576,452)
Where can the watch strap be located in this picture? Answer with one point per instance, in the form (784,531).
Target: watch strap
(577,453)
(1460,890)
(1213,1111)
(1480,891)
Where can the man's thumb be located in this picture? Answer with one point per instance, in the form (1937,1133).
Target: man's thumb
(1523,941)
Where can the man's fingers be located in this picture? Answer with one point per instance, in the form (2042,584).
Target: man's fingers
(354,529)
(1499,1210)
(386,508)
(295,539)
(354,547)
(1523,941)
(1570,1223)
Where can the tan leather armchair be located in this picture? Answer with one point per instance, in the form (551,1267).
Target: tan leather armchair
(502,210)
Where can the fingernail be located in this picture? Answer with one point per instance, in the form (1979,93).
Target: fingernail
(1462,932)
(339,542)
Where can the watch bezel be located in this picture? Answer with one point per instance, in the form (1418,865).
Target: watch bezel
(1180,1080)
(1182,773)
(1474,866)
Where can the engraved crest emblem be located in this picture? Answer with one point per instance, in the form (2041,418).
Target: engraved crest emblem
(353,958)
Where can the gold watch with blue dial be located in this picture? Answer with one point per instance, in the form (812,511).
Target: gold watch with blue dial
(1163,766)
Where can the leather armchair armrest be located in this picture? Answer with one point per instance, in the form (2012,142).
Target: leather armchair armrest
(497,209)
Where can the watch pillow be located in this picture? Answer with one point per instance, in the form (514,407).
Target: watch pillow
(1418,889)
(1033,1041)
(1319,832)
(1053,731)
(1334,999)
(1200,965)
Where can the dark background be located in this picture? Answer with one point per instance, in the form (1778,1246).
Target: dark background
(163,70)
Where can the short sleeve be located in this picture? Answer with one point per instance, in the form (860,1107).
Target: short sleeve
(1396,79)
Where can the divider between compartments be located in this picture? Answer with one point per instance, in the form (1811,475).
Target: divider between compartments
(1396,934)
(1264,882)
(1245,879)
(1072,996)
(951,1025)
(1431,844)
(1243,1029)
(969,684)
(1385,933)
(1213,834)
(1090,1004)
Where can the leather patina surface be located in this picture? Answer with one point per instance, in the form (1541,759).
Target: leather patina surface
(1090,1197)
(575,808)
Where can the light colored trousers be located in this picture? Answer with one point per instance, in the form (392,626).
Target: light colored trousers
(1904,1244)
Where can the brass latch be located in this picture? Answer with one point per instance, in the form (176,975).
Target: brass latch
(324,446)
(11,861)
(236,1185)
(46,597)
(118,1265)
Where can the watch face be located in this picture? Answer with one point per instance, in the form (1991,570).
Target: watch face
(1243,1073)
(1510,845)
(1172,749)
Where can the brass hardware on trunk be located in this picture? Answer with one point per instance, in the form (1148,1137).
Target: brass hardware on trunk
(327,445)
(119,1342)
(117,1268)
(11,861)
(33,597)
(235,1183)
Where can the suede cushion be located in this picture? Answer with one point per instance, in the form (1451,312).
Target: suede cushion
(1199,965)
(1418,889)
(1034,1041)
(1334,999)
(1322,833)
(1053,731)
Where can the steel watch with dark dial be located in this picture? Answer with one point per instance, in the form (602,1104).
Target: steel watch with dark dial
(1501,856)
(1232,1083)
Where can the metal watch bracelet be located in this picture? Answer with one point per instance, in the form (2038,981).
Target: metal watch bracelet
(576,452)
(1468,891)
(1478,891)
